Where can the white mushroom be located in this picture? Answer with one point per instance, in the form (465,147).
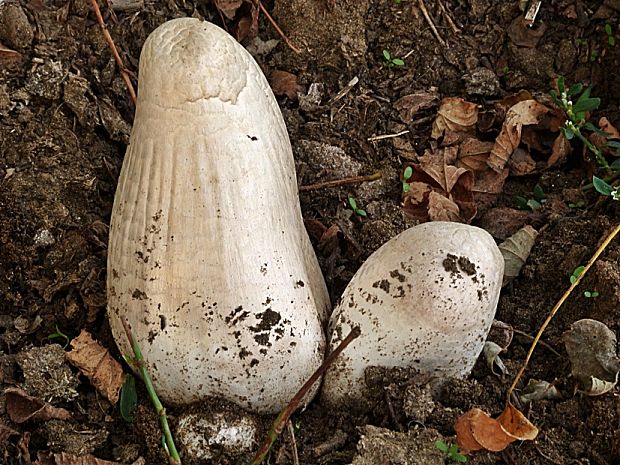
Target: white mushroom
(208,257)
(425,299)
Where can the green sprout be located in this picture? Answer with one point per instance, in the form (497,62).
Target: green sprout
(397,2)
(59,334)
(406,177)
(353,204)
(391,61)
(593,56)
(539,197)
(576,273)
(611,40)
(577,204)
(452,451)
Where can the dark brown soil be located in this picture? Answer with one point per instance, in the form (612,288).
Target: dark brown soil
(65,118)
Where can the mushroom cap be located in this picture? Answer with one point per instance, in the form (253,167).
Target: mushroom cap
(425,299)
(208,257)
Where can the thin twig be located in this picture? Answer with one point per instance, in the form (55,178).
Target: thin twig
(280,421)
(454,27)
(388,136)
(341,182)
(557,306)
(260,5)
(173,455)
(117,57)
(430,22)
(291,433)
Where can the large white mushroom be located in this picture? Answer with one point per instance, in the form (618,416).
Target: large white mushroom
(426,299)
(208,257)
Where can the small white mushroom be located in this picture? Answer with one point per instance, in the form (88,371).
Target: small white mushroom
(426,299)
(208,257)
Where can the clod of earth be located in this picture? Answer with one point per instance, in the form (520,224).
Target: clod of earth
(209,260)
(426,299)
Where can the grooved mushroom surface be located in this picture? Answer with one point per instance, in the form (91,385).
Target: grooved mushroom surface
(208,257)
(425,299)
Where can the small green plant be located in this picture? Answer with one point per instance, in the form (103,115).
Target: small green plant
(397,2)
(611,39)
(357,210)
(391,61)
(59,334)
(406,177)
(593,56)
(452,451)
(577,204)
(539,197)
(573,278)
(129,398)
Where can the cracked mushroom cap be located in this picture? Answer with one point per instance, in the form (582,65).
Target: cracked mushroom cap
(426,299)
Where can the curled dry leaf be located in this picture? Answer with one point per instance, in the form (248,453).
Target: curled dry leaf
(228,7)
(476,430)
(283,83)
(97,364)
(455,114)
(559,151)
(600,140)
(409,105)
(22,407)
(473,154)
(538,390)
(523,113)
(515,251)
(491,352)
(591,348)
(521,162)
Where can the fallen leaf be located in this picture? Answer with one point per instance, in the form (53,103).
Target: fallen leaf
(560,150)
(441,208)
(523,113)
(455,114)
(7,55)
(521,163)
(515,424)
(464,437)
(488,432)
(490,182)
(247,24)
(515,251)
(473,154)
(6,433)
(228,7)
(97,364)
(491,353)
(22,407)
(329,240)
(538,390)
(283,83)
(600,140)
(591,348)
(409,105)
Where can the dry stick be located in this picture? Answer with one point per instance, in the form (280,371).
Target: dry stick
(557,306)
(454,27)
(430,22)
(260,5)
(388,136)
(280,421)
(117,57)
(341,182)
(173,455)
(291,433)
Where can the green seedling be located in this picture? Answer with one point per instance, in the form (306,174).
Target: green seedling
(573,278)
(406,177)
(61,335)
(539,197)
(576,104)
(611,40)
(577,204)
(593,56)
(128,398)
(391,61)
(397,2)
(452,451)
(353,204)
(606,189)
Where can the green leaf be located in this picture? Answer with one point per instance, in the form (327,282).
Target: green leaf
(387,55)
(568,133)
(352,202)
(615,165)
(534,204)
(611,40)
(406,187)
(588,104)
(608,30)
(408,173)
(361,212)
(575,89)
(561,87)
(520,202)
(591,127)
(129,398)
(442,446)
(576,274)
(554,96)
(398,62)
(601,186)
(539,193)
(614,144)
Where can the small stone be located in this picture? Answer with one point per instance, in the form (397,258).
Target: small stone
(15,30)
(76,89)
(44,238)
(482,81)
(45,80)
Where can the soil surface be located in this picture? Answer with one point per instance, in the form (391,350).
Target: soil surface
(65,118)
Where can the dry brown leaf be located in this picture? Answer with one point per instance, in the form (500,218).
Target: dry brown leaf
(609,128)
(455,114)
(22,407)
(247,25)
(490,182)
(512,100)
(62,458)
(560,150)
(283,83)
(7,55)
(6,433)
(521,163)
(514,423)
(97,364)
(441,208)
(473,154)
(523,113)
(489,433)
(600,140)
(228,7)
(409,105)
(515,250)
(464,437)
